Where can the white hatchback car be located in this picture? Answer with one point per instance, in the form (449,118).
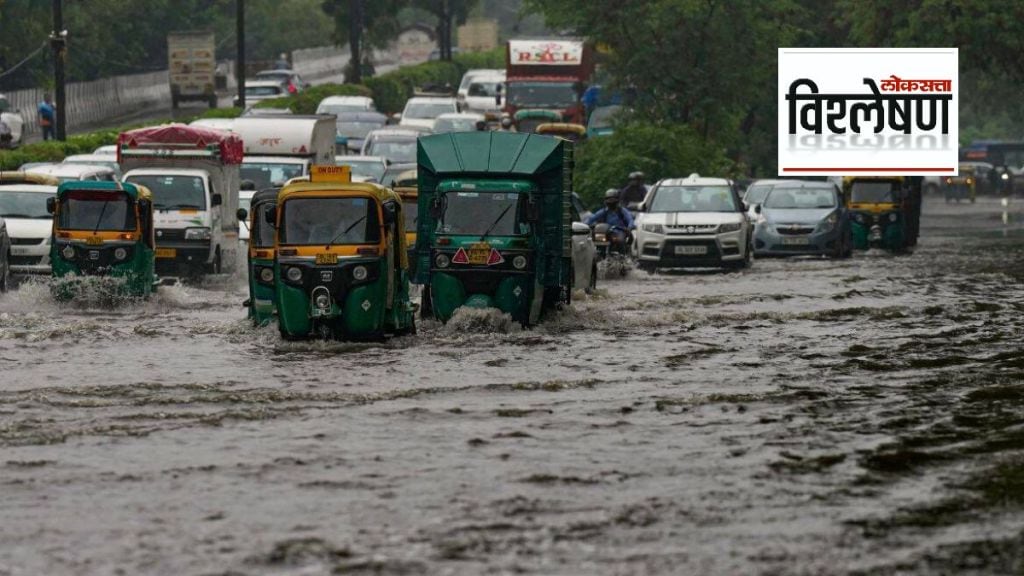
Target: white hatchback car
(421,111)
(345,104)
(29,224)
(693,222)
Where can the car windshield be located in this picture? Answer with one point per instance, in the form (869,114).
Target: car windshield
(263,90)
(483,89)
(94,210)
(412,216)
(356,129)
(366,168)
(174,192)
(790,198)
(14,204)
(263,234)
(443,125)
(757,193)
(479,213)
(323,221)
(394,150)
(428,111)
(872,192)
(693,199)
(394,171)
(269,174)
(542,94)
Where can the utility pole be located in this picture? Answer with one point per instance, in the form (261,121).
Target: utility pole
(240,59)
(355,34)
(58,41)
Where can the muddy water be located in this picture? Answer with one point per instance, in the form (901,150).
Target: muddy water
(802,417)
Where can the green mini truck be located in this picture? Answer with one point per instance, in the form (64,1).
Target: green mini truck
(494,223)
(103,229)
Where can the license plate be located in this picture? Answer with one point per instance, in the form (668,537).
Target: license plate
(94,241)
(326,258)
(166,253)
(691,250)
(796,241)
(479,253)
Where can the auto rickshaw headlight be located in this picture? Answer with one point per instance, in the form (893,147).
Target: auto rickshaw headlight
(120,254)
(359,273)
(893,217)
(1005,176)
(267,275)
(519,262)
(68,252)
(442,260)
(294,274)
(322,301)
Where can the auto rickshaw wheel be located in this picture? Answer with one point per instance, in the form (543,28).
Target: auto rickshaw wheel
(426,308)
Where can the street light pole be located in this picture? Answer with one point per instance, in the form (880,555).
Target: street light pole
(58,41)
(240,60)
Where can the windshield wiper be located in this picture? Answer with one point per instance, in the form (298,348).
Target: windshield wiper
(99,220)
(495,223)
(343,232)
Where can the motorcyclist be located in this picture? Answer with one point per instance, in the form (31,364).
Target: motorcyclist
(617,217)
(634,192)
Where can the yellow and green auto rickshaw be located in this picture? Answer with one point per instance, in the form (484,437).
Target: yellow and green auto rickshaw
(405,186)
(260,256)
(103,229)
(570,132)
(877,210)
(340,263)
(963,186)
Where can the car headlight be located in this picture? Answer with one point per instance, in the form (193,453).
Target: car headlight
(68,252)
(654,228)
(197,233)
(729,227)
(519,262)
(120,253)
(830,222)
(359,273)
(442,261)
(1005,176)
(294,274)
(267,275)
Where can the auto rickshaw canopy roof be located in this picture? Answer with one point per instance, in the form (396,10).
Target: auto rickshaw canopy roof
(328,189)
(134,191)
(19,177)
(533,114)
(562,128)
(264,196)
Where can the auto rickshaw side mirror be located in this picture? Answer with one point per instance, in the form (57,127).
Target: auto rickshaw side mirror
(242,214)
(216,200)
(390,212)
(757,208)
(51,205)
(532,210)
(270,216)
(436,208)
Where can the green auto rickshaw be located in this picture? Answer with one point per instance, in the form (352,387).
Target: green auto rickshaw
(260,256)
(340,259)
(494,223)
(882,212)
(530,119)
(103,229)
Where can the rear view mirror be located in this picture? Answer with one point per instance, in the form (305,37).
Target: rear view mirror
(436,208)
(497,95)
(757,208)
(580,229)
(243,215)
(51,205)
(641,207)
(390,210)
(270,216)
(532,210)
(216,200)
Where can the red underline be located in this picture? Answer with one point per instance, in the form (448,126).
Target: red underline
(868,169)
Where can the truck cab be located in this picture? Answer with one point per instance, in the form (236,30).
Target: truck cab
(548,75)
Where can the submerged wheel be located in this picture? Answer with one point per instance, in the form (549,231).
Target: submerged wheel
(592,285)
(5,273)
(426,307)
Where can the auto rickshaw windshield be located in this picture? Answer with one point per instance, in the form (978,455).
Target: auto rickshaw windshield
(326,221)
(263,235)
(483,213)
(93,210)
(873,193)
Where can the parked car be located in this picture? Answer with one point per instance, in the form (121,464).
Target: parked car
(397,145)
(68,172)
(107,150)
(95,160)
(803,218)
(345,104)
(291,80)
(352,128)
(370,167)
(258,90)
(28,223)
(423,110)
(11,125)
(5,257)
(457,122)
(479,93)
(693,222)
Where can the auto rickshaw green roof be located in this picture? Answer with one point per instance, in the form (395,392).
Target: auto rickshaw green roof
(132,190)
(466,154)
(530,114)
(266,195)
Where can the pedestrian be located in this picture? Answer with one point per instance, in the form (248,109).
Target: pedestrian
(47,116)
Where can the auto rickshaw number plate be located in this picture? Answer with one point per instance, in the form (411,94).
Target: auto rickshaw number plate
(166,252)
(94,254)
(94,241)
(327,258)
(479,253)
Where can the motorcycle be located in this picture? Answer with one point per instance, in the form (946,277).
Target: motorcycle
(613,254)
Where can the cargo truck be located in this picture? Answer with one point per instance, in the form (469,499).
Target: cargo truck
(279,148)
(546,79)
(191,64)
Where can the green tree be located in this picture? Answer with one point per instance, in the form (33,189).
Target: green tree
(449,13)
(362,24)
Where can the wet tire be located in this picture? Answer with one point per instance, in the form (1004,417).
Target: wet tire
(5,274)
(426,307)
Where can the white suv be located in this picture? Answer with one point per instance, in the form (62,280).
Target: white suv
(693,222)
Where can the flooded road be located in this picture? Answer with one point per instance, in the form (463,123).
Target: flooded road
(802,417)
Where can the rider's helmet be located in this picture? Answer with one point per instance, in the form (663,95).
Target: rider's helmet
(506,122)
(636,177)
(611,198)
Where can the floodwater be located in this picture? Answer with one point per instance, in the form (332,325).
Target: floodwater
(802,417)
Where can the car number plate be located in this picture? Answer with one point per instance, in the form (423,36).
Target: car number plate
(479,253)
(166,253)
(326,258)
(796,241)
(691,250)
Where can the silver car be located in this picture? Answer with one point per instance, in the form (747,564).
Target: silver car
(803,218)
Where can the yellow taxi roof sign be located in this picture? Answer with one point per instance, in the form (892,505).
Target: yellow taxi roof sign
(340,174)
